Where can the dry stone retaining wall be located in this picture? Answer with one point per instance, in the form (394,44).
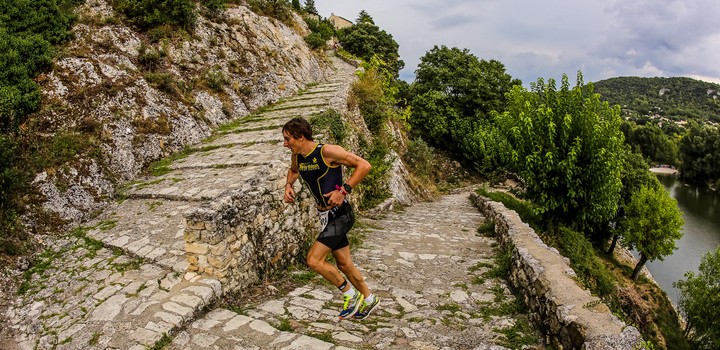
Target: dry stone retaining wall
(568,315)
(243,235)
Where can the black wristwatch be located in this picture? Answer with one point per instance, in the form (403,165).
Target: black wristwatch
(347,188)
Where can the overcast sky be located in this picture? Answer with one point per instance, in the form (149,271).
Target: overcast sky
(534,39)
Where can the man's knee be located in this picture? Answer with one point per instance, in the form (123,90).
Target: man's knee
(344,265)
(314,264)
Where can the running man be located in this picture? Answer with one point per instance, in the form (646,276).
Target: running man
(319,167)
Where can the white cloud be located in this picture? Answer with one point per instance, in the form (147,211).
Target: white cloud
(552,37)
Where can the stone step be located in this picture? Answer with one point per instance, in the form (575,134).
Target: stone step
(233,154)
(225,329)
(148,228)
(204,184)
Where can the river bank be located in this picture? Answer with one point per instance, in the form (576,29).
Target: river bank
(664,171)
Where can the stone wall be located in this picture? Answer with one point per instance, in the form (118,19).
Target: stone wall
(568,315)
(244,235)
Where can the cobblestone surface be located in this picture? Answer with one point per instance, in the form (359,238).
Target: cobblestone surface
(120,282)
(427,265)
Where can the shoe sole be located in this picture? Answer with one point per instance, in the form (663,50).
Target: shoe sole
(369,312)
(355,310)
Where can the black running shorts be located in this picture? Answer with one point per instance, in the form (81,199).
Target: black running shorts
(335,234)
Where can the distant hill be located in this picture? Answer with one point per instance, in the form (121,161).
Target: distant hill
(673,98)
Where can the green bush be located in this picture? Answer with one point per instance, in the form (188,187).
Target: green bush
(162,81)
(419,156)
(315,41)
(330,120)
(375,183)
(216,79)
(147,14)
(583,260)
(368,91)
(278,9)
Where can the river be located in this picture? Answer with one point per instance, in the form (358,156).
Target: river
(701,211)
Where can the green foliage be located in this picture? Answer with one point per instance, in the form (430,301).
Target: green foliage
(653,223)
(588,267)
(366,40)
(368,91)
(162,81)
(28,29)
(278,9)
(310,7)
(364,17)
(375,183)
(526,210)
(567,147)
(147,14)
(332,121)
(149,57)
(700,302)
(419,156)
(315,41)
(700,154)
(296,6)
(322,31)
(452,99)
(652,142)
(216,79)
(685,98)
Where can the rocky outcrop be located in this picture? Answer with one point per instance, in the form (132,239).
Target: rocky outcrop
(139,100)
(568,315)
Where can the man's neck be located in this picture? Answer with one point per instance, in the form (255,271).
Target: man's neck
(307,147)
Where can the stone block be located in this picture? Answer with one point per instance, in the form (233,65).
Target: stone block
(197,248)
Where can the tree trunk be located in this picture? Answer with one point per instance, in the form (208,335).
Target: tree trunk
(639,266)
(613,244)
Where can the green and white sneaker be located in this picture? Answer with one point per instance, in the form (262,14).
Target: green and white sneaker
(366,308)
(351,304)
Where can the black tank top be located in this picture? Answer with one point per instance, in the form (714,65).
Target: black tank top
(319,176)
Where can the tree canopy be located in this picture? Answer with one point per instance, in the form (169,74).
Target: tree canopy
(452,97)
(653,224)
(700,302)
(365,40)
(567,146)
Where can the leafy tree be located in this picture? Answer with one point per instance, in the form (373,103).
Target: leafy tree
(364,17)
(365,40)
(654,144)
(652,225)
(700,154)
(296,5)
(474,87)
(568,149)
(452,97)
(700,302)
(633,176)
(310,7)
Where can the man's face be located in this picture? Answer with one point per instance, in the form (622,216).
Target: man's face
(291,143)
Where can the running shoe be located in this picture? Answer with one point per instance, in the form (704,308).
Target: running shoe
(351,304)
(366,308)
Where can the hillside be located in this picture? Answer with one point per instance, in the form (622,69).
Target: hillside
(674,98)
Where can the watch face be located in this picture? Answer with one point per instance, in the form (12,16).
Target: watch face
(347,188)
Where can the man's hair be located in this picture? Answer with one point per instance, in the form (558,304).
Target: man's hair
(297,127)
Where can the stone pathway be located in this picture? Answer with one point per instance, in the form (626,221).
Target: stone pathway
(426,263)
(122,281)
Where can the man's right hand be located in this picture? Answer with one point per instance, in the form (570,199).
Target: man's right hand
(289,194)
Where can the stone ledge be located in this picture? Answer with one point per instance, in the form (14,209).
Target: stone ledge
(568,315)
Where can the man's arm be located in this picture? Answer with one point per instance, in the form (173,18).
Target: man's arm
(335,154)
(292,176)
